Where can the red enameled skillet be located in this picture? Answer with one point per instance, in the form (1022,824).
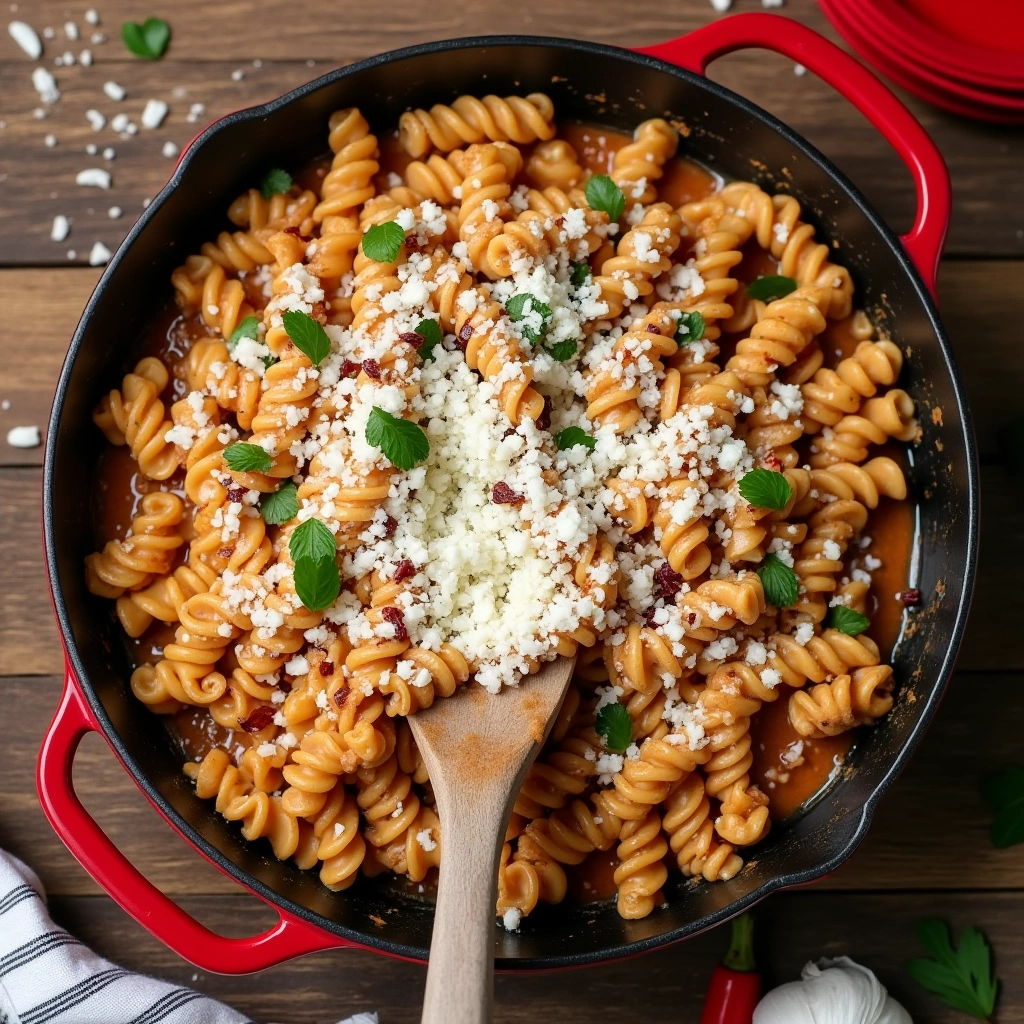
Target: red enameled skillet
(588,82)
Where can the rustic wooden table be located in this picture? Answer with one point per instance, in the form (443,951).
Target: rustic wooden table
(928,853)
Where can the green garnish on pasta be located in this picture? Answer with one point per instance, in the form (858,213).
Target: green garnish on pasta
(580,275)
(691,328)
(248,328)
(768,289)
(847,621)
(312,540)
(307,336)
(383,242)
(275,181)
(779,582)
(563,350)
(147,40)
(247,458)
(766,489)
(404,443)
(572,436)
(533,315)
(317,583)
(603,194)
(615,727)
(430,332)
(282,505)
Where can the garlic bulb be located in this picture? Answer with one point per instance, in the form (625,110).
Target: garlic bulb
(831,992)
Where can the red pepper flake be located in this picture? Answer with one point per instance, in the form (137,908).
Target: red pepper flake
(544,419)
(350,368)
(649,617)
(341,695)
(225,552)
(259,718)
(909,597)
(327,668)
(667,582)
(397,619)
(464,335)
(691,618)
(771,461)
(404,570)
(653,329)
(411,338)
(371,368)
(502,494)
(236,494)
(412,243)
(390,525)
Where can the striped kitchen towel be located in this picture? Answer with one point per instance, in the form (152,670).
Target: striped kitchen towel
(48,977)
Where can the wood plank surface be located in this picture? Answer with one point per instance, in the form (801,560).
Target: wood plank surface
(667,985)
(39,182)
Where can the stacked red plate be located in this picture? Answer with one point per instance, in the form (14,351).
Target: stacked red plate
(967,58)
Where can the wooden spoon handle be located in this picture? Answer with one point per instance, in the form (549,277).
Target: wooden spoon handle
(460,978)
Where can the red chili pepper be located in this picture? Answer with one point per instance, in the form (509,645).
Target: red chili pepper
(735,985)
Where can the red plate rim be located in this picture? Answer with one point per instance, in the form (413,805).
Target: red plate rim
(923,91)
(884,56)
(974,63)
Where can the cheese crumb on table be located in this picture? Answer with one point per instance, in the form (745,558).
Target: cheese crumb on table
(24,437)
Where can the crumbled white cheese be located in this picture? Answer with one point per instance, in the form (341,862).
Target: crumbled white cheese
(61,228)
(511,918)
(114,91)
(170,150)
(93,177)
(25,36)
(153,113)
(99,255)
(24,437)
(46,85)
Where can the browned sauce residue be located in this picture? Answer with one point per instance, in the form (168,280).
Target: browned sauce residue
(593,880)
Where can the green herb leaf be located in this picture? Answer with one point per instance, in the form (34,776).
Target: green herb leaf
(524,308)
(604,194)
(1005,792)
(765,489)
(383,242)
(275,181)
(847,621)
(147,40)
(615,727)
(691,328)
(779,582)
(309,337)
(404,443)
(247,458)
(962,978)
(430,332)
(768,289)
(562,350)
(248,328)
(572,436)
(313,540)
(580,274)
(317,582)
(282,505)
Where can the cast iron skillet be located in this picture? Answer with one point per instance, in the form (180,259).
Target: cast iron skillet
(588,82)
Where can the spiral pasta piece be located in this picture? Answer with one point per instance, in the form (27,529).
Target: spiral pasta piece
(640,163)
(469,119)
(554,164)
(687,822)
(831,708)
(641,872)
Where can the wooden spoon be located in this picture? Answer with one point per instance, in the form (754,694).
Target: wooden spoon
(477,747)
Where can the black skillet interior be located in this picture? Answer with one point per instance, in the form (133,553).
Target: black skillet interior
(588,83)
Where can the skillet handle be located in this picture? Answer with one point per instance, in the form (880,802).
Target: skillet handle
(852,80)
(290,937)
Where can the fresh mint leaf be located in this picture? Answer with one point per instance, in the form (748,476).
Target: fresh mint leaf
(615,726)
(312,540)
(403,443)
(562,350)
(580,274)
(248,328)
(275,181)
(603,194)
(247,458)
(779,582)
(282,505)
(430,332)
(961,977)
(307,335)
(572,436)
(1005,792)
(317,582)
(691,328)
(765,489)
(147,40)
(768,289)
(383,242)
(534,315)
(847,621)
